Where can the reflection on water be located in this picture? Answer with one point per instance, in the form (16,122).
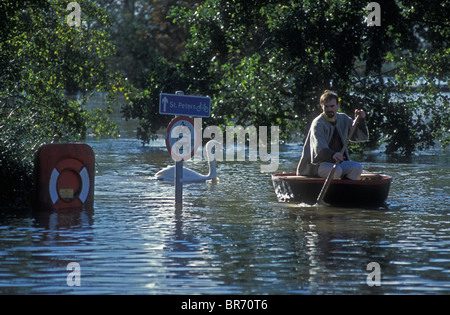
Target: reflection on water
(231,237)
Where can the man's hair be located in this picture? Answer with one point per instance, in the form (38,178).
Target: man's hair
(328,96)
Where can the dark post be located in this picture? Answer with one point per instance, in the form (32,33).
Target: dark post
(179,176)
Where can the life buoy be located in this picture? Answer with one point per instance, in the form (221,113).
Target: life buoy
(64,176)
(69,183)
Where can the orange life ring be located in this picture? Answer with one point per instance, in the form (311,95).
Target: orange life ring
(69,183)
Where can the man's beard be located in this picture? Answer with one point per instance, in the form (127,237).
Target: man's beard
(329,114)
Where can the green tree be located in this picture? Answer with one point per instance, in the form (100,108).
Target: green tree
(42,58)
(148,46)
(266,62)
(141,32)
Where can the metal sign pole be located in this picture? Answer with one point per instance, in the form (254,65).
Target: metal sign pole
(179,182)
(179,175)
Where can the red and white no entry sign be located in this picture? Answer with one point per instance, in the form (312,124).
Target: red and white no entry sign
(182,138)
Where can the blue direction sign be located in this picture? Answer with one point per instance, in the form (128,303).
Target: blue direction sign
(186,105)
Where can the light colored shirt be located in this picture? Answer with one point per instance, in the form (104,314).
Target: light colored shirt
(316,147)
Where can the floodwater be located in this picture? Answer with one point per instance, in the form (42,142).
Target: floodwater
(232,237)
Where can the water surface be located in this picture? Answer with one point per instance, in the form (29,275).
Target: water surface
(231,237)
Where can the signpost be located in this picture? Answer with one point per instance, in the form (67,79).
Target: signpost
(183,147)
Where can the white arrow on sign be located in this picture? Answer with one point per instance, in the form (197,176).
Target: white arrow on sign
(165,101)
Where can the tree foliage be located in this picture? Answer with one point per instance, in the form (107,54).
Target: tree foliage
(148,48)
(266,62)
(42,59)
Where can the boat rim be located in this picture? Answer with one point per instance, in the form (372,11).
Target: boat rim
(366,179)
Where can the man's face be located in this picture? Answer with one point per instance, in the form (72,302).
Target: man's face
(330,108)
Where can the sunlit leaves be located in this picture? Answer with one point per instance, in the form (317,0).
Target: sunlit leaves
(267,62)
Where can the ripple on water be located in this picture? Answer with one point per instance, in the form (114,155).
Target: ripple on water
(230,237)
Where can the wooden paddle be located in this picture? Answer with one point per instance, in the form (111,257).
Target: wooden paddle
(331,175)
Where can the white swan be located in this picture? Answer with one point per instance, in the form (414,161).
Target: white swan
(189,176)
